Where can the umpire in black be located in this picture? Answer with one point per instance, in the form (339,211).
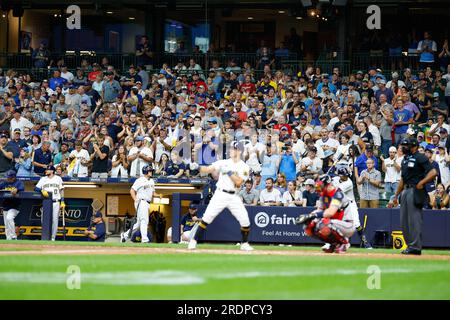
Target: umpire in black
(416,171)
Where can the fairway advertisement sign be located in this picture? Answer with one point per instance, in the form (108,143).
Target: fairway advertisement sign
(276,225)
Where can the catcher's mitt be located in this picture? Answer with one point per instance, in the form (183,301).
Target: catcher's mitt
(305,218)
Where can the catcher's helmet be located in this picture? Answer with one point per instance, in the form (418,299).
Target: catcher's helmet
(322,182)
(146,169)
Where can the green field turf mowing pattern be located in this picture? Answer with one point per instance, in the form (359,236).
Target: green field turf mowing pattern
(219,276)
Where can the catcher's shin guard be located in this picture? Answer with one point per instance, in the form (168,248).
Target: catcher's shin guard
(245,231)
(200,230)
(326,232)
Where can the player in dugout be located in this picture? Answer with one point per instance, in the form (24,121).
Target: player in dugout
(11,205)
(97,229)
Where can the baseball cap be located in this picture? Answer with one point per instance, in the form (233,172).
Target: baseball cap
(359,72)
(436,95)
(415,78)
(17,130)
(10,174)
(392,149)
(303,117)
(369,148)
(139,138)
(193,206)
(348,128)
(3,136)
(213,120)
(195,73)
(382,81)
(237,145)
(98,214)
(443,130)
(344,88)
(310,182)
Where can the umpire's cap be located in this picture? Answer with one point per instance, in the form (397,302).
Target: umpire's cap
(146,169)
(412,142)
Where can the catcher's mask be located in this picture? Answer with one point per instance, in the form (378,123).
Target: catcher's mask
(322,183)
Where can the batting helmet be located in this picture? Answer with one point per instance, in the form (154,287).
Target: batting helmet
(146,169)
(343,171)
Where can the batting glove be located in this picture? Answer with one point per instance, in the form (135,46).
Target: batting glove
(44,193)
(63,205)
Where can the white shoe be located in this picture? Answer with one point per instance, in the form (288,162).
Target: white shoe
(123,237)
(326,246)
(246,247)
(347,246)
(192,244)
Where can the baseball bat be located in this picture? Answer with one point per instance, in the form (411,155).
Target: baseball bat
(64,223)
(335,162)
(193,231)
(364,228)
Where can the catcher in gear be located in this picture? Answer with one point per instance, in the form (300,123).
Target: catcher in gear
(330,222)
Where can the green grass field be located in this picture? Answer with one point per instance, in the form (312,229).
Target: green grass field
(212,275)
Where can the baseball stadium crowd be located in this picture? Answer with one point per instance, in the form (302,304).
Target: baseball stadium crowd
(98,122)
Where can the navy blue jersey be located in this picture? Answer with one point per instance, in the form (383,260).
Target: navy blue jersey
(99,230)
(137,237)
(187,222)
(11,203)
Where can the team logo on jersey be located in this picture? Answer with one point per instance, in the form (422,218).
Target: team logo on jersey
(262,219)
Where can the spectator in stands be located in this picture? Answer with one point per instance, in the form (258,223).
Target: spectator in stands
(42,158)
(99,157)
(270,163)
(79,161)
(62,155)
(270,196)
(175,167)
(120,164)
(144,53)
(248,194)
(6,154)
(310,196)
(139,156)
(361,161)
(402,119)
(391,167)
(281,184)
(370,181)
(41,56)
(439,200)
(16,143)
(442,157)
(23,164)
(427,48)
(292,197)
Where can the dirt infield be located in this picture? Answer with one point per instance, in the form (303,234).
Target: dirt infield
(20,249)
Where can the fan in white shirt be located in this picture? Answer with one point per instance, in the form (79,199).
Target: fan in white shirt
(139,156)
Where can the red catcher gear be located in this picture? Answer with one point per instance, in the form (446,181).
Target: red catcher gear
(325,231)
(326,199)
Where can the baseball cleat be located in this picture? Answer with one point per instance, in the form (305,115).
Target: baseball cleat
(330,249)
(192,244)
(246,247)
(326,246)
(341,248)
(122,237)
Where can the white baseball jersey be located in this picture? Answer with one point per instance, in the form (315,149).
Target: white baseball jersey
(53,185)
(345,186)
(240,168)
(144,188)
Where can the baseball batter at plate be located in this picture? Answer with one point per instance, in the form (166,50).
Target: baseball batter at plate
(232,174)
(142,192)
(330,223)
(345,184)
(54,184)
